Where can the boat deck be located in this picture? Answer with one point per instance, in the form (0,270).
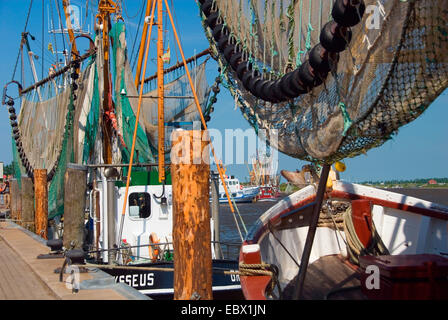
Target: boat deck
(24,277)
(325,277)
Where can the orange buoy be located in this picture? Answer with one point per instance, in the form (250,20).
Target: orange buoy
(154,249)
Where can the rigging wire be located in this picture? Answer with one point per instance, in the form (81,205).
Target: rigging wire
(177,25)
(87,15)
(45,54)
(54,34)
(43,37)
(126,11)
(135,38)
(24,29)
(62,26)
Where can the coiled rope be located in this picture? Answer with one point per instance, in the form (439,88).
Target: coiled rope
(355,248)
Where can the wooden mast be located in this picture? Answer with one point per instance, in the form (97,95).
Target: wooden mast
(161,92)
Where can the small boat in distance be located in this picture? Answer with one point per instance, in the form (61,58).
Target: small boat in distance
(264,175)
(268,193)
(237,191)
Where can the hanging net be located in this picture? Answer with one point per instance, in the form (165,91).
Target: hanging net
(56,126)
(177,110)
(383,70)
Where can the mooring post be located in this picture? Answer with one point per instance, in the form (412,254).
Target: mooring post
(190,173)
(75,188)
(41,200)
(214,177)
(14,192)
(27,201)
(312,231)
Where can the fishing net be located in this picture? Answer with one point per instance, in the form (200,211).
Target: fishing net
(56,127)
(126,112)
(392,69)
(180,110)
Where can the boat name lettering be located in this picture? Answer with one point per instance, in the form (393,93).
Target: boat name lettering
(234,277)
(136,280)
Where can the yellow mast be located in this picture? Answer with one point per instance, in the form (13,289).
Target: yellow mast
(161,92)
(142,44)
(71,34)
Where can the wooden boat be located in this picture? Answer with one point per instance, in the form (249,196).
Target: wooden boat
(356,224)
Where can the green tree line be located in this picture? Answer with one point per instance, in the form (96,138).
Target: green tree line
(411,181)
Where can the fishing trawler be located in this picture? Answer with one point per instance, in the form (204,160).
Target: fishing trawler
(264,177)
(237,191)
(91,113)
(335,79)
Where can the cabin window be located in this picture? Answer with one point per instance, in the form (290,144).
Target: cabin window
(139,205)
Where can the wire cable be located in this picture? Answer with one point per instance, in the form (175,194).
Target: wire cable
(24,29)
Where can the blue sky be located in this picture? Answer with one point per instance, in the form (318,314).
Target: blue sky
(418,151)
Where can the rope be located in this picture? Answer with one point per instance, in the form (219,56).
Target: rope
(255,269)
(282,245)
(135,40)
(43,38)
(300,51)
(355,247)
(239,215)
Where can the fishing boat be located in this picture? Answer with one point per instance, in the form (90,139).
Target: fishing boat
(335,79)
(264,177)
(237,191)
(92,114)
(358,227)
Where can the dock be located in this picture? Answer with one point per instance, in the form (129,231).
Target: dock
(25,277)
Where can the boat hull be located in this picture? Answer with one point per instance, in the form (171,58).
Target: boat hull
(241,199)
(405,225)
(158,284)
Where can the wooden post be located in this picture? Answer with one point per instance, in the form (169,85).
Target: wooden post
(27,195)
(191,210)
(14,192)
(75,188)
(41,199)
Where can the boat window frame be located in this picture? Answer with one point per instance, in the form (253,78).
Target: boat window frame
(148,200)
